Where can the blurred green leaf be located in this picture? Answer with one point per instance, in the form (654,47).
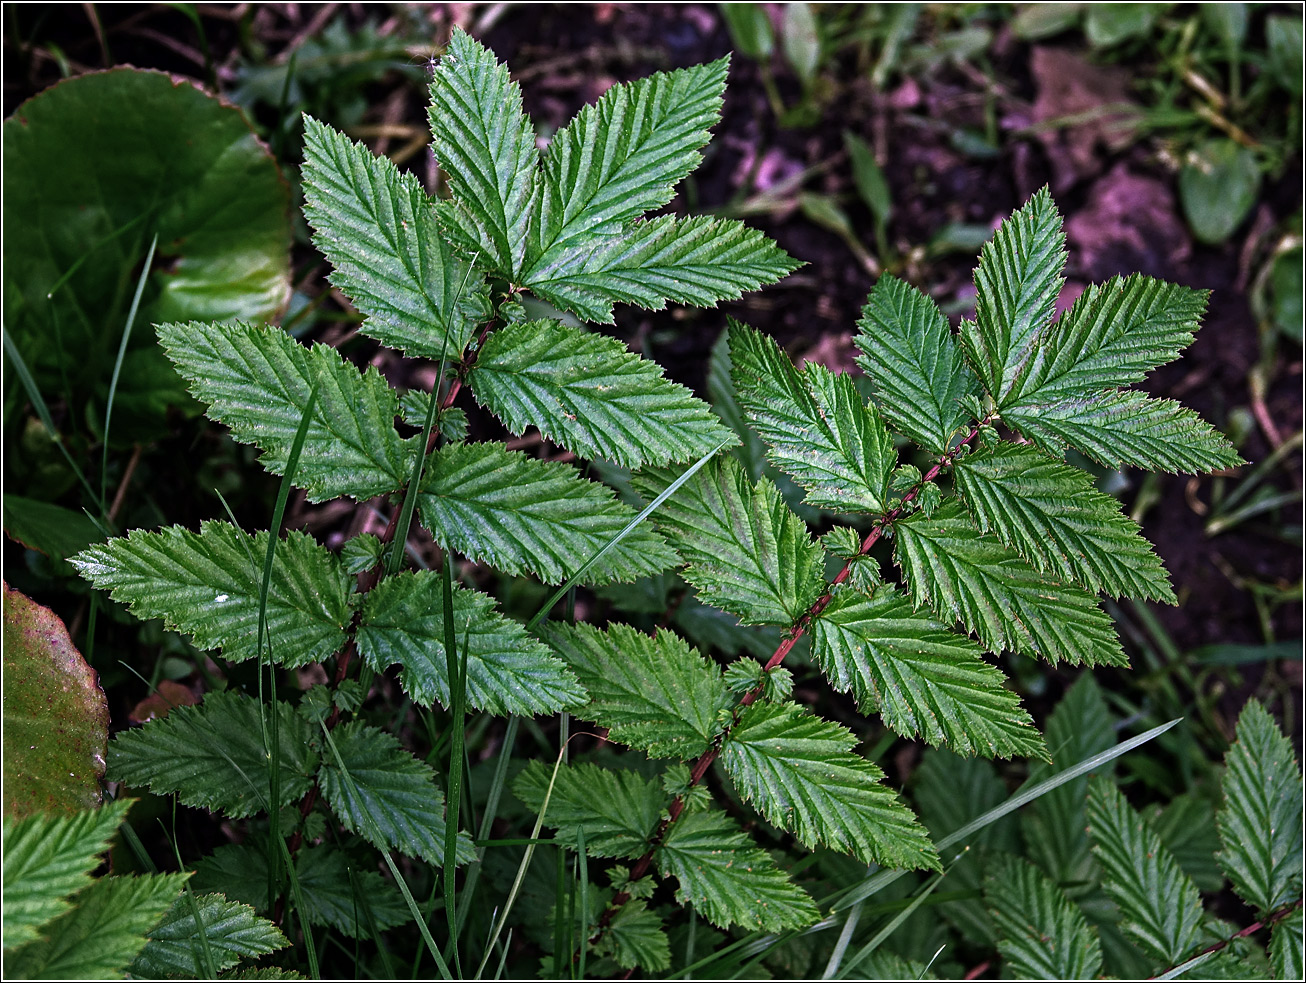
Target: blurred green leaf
(1286,293)
(802,42)
(50,529)
(1284,37)
(1226,20)
(870,180)
(1218,187)
(1106,24)
(750,29)
(1042,20)
(56,718)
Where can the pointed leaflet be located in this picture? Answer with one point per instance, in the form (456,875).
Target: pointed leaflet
(1111,337)
(728,879)
(207,585)
(1117,428)
(389,793)
(231,932)
(747,552)
(817,427)
(799,771)
(617,809)
(1261,821)
(1018,279)
(1044,936)
(486,145)
(1286,954)
(921,677)
(638,938)
(347,896)
(622,157)
(257,380)
(914,363)
(964,575)
(378,228)
(529,516)
(654,692)
(699,261)
(591,395)
(49,858)
(1052,515)
(508,671)
(1162,908)
(100,936)
(213,756)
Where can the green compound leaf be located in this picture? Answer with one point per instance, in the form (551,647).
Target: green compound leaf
(618,810)
(728,878)
(342,895)
(508,671)
(623,157)
(1118,428)
(1260,822)
(964,575)
(654,693)
(638,938)
(698,261)
(747,552)
(207,584)
(47,859)
(817,427)
(1043,935)
(921,677)
(591,395)
(392,794)
(231,932)
(914,363)
(1051,514)
(529,516)
(1018,279)
(213,755)
(257,380)
(101,935)
(1286,941)
(1111,337)
(379,230)
(1161,906)
(486,145)
(800,772)
(56,717)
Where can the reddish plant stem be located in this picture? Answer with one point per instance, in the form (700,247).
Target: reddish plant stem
(796,632)
(1270,919)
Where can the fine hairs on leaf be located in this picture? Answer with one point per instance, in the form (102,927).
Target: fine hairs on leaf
(955,539)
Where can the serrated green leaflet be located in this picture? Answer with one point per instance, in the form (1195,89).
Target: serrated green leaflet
(1260,822)
(1052,515)
(698,261)
(638,938)
(46,860)
(1043,936)
(747,552)
(1162,908)
(654,693)
(379,230)
(349,897)
(1118,428)
(213,757)
(486,144)
(591,395)
(1286,956)
(101,935)
(914,362)
(618,810)
(392,795)
(1111,337)
(233,932)
(799,771)
(967,576)
(205,584)
(622,157)
(1018,279)
(728,878)
(257,380)
(529,516)
(923,678)
(508,671)
(817,427)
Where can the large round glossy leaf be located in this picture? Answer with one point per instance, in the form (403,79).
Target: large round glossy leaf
(94,167)
(56,719)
